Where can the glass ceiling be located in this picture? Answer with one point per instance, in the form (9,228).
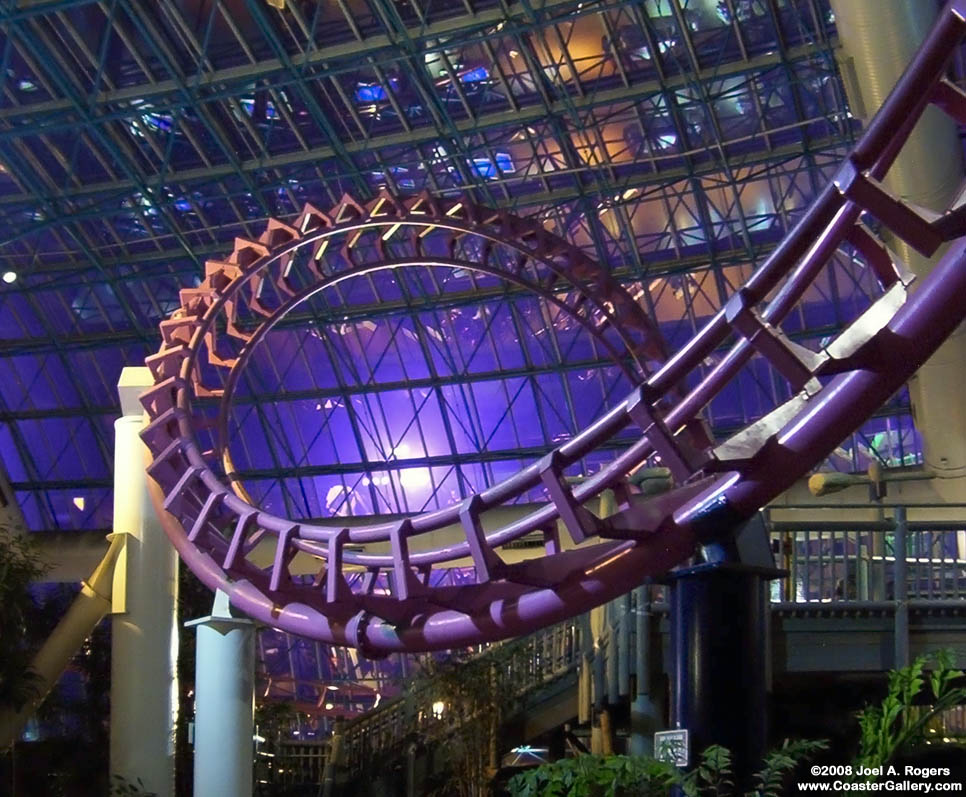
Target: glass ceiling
(675,141)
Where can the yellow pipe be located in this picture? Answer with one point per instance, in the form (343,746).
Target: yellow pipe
(88,609)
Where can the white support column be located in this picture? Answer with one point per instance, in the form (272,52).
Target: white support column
(144,636)
(224,703)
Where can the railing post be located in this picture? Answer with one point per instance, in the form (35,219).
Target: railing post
(613,654)
(863,564)
(877,575)
(645,718)
(624,645)
(585,673)
(901,591)
(789,562)
(411,769)
(332,760)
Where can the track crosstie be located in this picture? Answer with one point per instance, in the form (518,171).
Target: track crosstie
(716,487)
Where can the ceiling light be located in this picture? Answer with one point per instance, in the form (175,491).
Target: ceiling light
(9,277)
(414,478)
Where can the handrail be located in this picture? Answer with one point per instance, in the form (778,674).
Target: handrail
(532,662)
(821,549)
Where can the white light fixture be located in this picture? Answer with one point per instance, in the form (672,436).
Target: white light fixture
(414,478)
(9,277)
(438,707)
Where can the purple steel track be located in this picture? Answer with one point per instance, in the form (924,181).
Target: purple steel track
(215,527)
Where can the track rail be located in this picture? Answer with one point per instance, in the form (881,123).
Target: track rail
(207,343)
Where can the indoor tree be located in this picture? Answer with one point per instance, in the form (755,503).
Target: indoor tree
(20,565)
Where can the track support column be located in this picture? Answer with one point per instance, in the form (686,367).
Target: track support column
(719,612)
(224,703)
(144,634)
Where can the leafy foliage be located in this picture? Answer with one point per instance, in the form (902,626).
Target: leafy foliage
(623,776)
(274,719)
(473,692)
(779,763)
(713,775)
(122,787)
(596,776)
(896,723)
(19,566)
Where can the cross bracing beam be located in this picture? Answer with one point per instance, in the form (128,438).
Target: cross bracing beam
(194,82)
(225,81)
(414,383)
(670,264)
(308,471)
(358,468)
(640,175)
(420,134)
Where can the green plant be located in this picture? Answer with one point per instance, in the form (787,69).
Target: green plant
(20,565)
(624,776)
(472,692)
(122,787)
(779,763)
(274,718)
(713,775)
(896,723)
(596,776)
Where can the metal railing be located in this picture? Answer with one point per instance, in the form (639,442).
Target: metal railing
(861,561)
(528,663)
(291,764)
(857,564)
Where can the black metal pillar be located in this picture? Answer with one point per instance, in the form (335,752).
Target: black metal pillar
(901,590)
(719,612)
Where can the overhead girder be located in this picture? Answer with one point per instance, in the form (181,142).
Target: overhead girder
(524,20)
(647,177)
(831,390)
(219,82)
(420,134)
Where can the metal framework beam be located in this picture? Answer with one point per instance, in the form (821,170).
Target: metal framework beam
(418,135)
(222,82)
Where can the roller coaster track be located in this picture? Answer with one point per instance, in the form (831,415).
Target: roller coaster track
(833,389)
